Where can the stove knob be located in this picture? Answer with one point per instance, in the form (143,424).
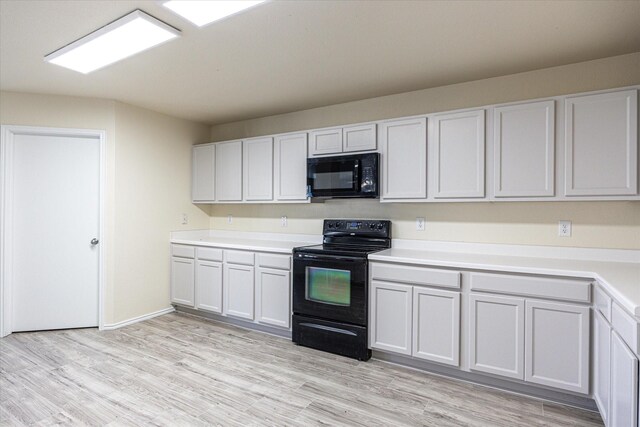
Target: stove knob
(372,226)
(330,225)
(338,224)
(380,226)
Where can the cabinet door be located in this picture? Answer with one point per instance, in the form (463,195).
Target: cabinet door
(238,291)
(273,297)
(290,167)
(229,171)
(436,325)
(404,159)
(601,364)
(390,325)
(557,345)
(601,156)
(496,335)
(325,141)
(624,384)
(458,154)
(209,286)
(257,169)
(182,281)
(202,173)
(524,150)
(359,138)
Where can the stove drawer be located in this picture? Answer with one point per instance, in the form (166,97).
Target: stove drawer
(415,275)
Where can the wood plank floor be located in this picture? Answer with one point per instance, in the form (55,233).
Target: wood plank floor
(179,370)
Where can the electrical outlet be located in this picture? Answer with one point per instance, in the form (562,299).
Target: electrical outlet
(564,228)
(283,221)
(229,219)
(184,219)
(420,223)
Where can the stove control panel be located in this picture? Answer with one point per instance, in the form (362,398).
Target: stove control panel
(356,227)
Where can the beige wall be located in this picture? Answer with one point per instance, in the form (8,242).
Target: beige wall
(595,224)
(148,186)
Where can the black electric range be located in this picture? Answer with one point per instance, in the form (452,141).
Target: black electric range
(331,286)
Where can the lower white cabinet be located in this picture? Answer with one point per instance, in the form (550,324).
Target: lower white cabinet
(601,364)
(414,320)
(238,291)
(496,335)
(390,326)
(436,325)
(209,286)
(624,385)
(273,297)
(182,277)
(557,345)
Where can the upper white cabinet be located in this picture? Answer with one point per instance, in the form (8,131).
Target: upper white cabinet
(203,176)
(257,169)
(458,147)
(601,151)
(346,139)
(228,170)
(523,149)
(404,159)
(290,167)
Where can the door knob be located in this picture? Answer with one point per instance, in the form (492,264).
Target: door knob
(94,241)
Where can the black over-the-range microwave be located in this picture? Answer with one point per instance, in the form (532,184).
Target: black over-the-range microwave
(349,176)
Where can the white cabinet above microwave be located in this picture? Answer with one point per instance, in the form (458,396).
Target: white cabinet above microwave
(360,137)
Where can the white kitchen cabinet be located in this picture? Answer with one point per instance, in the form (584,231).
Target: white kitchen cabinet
(361,137)
(238,291)
(348,139)
(228,170)
(290,167)
(203,175)
(557,345)
(601,144)
(273,297)
(182,281)
(209,286)
(458,142)
(404,159)
(257,169)
(601,364)
(496,335)
(390,325)
(436,325)
(325,141)
(624,385)
(524,149)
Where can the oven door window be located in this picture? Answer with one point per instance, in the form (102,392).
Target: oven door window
(328,286)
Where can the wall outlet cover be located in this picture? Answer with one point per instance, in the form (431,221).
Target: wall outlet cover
(420,223)
(564,228)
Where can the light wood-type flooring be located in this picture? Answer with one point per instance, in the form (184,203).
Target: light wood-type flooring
(179,370)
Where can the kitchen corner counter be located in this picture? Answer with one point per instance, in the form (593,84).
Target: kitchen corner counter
(260,242)
(621,279)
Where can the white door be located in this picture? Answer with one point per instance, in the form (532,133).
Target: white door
(601,364)
(209,286)
(624,384)
(390,325)
(228,171)
(238,291)
(203,173)
(182,281)
(290,167)
(273,297)
(51,186)
(257,169)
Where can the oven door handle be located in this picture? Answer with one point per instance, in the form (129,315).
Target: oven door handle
(334,258)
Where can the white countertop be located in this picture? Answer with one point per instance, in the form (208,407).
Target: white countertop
(620,279)
(261,242)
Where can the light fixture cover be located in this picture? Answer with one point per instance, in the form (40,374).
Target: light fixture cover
(120,39)
(203,12)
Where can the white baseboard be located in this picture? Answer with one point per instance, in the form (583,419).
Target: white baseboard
(111,326)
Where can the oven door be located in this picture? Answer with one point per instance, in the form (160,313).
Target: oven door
(330,287)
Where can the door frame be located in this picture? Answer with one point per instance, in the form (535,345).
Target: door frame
(7,141)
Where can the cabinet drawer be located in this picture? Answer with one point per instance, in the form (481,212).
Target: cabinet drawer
(282,262)
(543,287)
(602,302)
(183,251)
(210,254)
(415,275)
(626,327)
(238,257)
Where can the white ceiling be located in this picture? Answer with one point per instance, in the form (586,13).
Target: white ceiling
(292,55)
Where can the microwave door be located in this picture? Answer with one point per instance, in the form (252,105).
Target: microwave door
(331,178)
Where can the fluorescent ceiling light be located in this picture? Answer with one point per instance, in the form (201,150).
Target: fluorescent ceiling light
(120,39)
(203,12)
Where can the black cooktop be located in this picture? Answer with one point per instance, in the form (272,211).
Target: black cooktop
(336,249)
(349,237)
